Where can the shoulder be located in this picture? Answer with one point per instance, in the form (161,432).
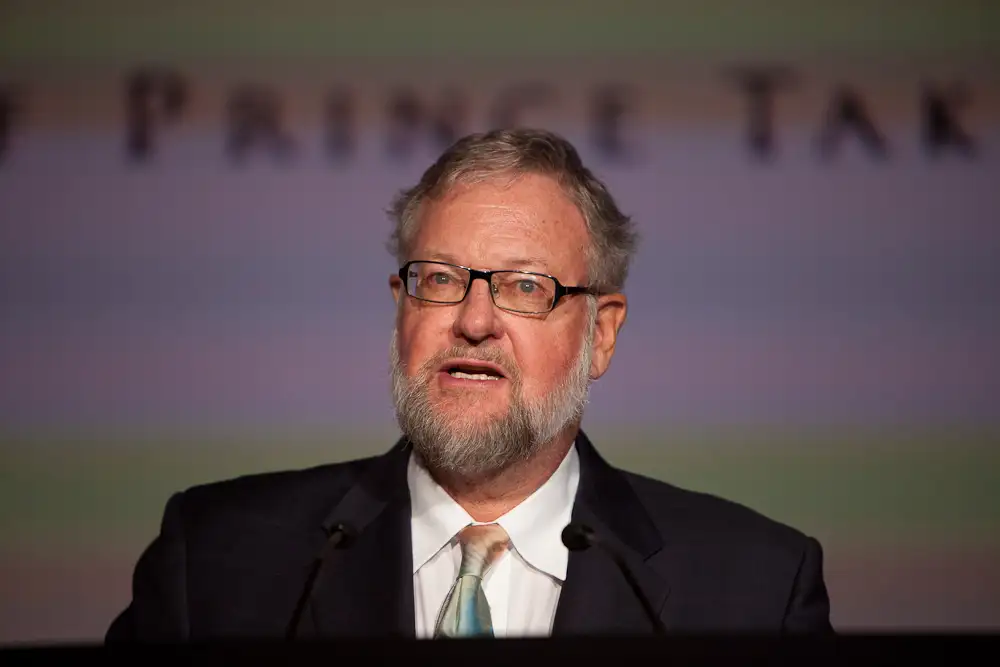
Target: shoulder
(731,566)
(703,519)
(290,498)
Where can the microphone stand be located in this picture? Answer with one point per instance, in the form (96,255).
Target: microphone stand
(340,536)
(578,537)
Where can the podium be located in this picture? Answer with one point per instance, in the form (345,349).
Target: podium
(672,651)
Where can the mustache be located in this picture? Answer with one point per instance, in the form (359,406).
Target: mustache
(493,355)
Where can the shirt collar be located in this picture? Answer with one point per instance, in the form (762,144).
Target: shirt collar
(535,526)
(435,516)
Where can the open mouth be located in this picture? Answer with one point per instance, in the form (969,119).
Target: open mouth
(471,370)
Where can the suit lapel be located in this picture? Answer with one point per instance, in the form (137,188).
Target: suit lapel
(596,598)
(367,588)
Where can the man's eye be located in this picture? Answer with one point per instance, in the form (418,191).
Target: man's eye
(439,278)
(526,286)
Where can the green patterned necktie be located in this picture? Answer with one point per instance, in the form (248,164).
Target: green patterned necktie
(465,612)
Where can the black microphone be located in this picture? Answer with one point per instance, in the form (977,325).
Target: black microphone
(578,537)
(340,536)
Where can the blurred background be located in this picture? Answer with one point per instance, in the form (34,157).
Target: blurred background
(193,280)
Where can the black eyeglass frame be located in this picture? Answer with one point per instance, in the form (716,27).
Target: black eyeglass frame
(561,290)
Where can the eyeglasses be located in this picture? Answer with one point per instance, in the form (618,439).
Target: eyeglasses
(514,291)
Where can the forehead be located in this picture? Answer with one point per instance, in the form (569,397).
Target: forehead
(500,223)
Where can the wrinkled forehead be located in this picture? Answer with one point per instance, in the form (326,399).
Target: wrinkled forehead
(528,220)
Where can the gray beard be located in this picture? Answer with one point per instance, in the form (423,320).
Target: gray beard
(468,446)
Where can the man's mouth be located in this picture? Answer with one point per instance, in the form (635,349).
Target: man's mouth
(470,370)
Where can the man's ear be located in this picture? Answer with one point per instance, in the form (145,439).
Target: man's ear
(611,312)
(396,285)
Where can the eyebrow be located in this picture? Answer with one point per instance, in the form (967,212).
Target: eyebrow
(516,263)
(527,262)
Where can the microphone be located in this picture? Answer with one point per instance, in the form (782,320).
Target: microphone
(339,536)
(578,537)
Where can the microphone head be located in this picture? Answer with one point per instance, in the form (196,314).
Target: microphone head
(577,536)
(347,534)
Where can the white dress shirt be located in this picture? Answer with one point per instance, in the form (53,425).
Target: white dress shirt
(523,586)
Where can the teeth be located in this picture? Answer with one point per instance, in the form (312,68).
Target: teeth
(472,376)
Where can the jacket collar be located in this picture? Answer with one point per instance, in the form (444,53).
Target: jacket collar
(596,598)
(366,588)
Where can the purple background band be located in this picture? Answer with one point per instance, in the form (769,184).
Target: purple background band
(194,291)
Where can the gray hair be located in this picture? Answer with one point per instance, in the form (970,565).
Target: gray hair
(514,152)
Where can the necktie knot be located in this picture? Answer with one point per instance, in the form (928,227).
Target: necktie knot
(482,545)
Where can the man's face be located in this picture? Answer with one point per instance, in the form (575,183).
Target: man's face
(538,365)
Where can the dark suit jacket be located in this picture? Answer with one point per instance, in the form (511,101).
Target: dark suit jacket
(232,559)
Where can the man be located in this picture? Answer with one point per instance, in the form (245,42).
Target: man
(508,304)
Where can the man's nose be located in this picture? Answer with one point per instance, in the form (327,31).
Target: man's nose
(477,318)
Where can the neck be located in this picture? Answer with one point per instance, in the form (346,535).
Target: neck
(488,497)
